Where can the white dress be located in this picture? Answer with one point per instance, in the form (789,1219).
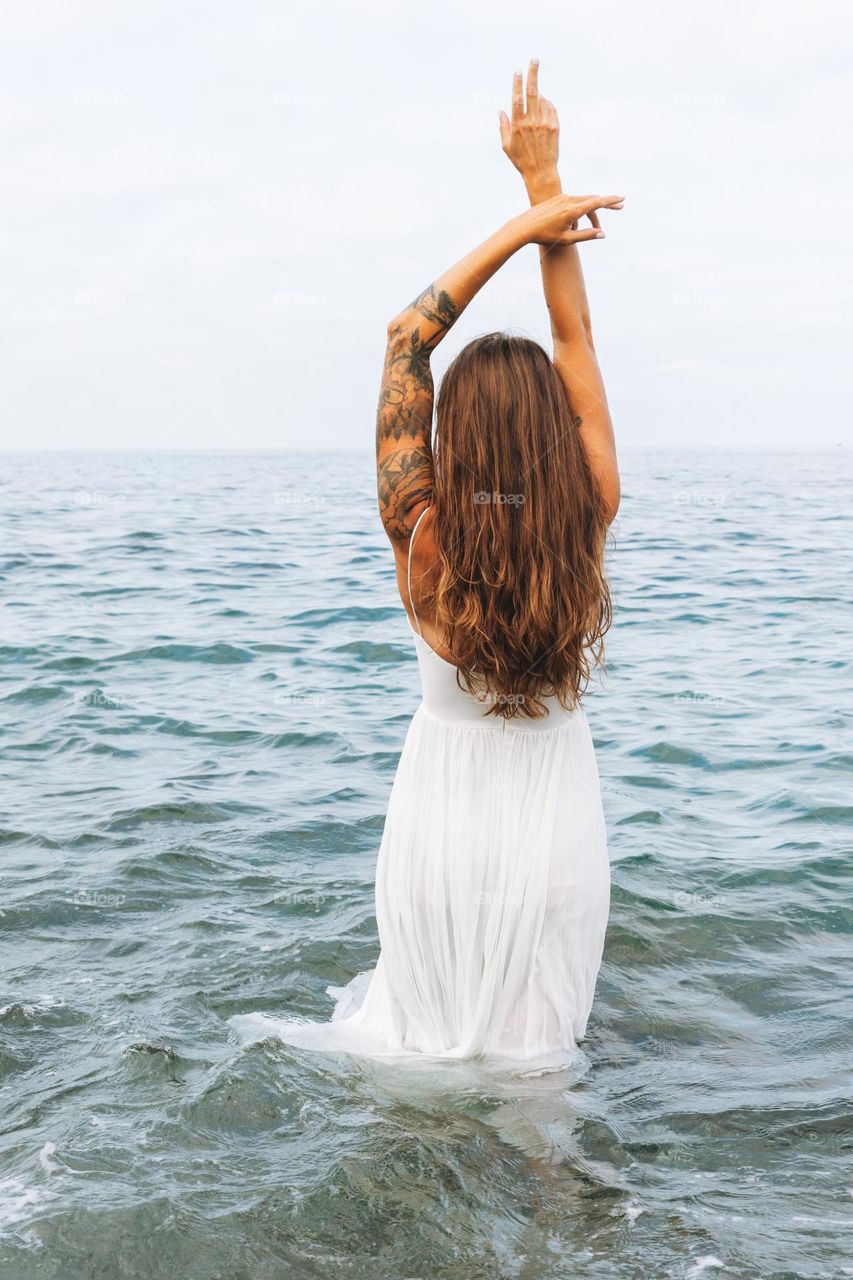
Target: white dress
(492,890)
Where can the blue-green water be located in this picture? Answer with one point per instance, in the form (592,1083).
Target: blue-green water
(206,680)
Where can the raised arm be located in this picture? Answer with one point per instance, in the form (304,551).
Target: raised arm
(404,417)
(531,140)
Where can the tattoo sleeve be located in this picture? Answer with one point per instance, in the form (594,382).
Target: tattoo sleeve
(404,416)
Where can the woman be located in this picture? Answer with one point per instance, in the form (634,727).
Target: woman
(492,882)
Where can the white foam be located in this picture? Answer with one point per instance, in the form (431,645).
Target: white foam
(252,1027)
(18,1202)
(703,1264)
(46,1160)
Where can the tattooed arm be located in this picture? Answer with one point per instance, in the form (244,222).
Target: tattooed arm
(404,417)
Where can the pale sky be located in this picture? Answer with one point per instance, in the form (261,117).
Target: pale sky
(211,210)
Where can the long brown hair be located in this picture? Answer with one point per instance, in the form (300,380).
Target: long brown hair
(520,529)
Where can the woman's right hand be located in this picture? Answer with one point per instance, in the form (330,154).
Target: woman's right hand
(555,221)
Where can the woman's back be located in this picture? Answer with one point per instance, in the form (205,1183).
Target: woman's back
(443,696)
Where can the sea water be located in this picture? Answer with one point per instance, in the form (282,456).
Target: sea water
(207,677)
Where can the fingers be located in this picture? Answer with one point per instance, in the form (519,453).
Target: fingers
(517,98)
(572,237)
(588,233)
(533,86)
(506,129)
(588,204)
(593,217)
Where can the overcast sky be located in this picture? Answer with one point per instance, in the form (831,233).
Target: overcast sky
(211,210)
